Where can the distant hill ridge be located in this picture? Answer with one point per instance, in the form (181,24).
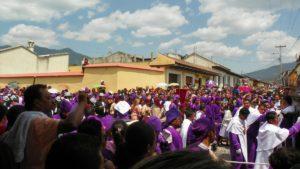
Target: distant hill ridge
(271,73)
(75,58)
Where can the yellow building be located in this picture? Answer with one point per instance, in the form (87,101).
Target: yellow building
(117,76)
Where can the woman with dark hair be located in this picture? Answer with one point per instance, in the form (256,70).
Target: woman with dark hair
(139,143)
(12,115)
(75,151)
(179,160)
(284,158)
(116,136)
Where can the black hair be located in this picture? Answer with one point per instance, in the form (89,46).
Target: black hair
(288,100)
(118,131)
(179,160)
(189,113)
(74,151)
(12,115)
(244,111)
(139,137)
(3,111)
(31,94)
(284,158)
(202,107)
(6,157)
(91,127)
(271,116)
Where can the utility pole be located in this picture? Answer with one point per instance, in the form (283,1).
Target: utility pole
(280,58)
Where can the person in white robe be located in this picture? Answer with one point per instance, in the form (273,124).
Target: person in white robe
(271,136)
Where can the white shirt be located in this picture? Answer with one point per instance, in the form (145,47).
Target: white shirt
(184,131)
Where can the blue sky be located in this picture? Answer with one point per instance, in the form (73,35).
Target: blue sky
(238,34)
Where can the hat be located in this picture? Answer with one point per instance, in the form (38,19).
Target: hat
(101,94)
(155,123)
(171,115)
(65,106)
(201,128)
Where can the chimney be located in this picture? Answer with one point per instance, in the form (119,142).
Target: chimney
(31,46)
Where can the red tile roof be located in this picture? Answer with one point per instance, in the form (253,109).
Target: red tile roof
(52,74)
(124,65)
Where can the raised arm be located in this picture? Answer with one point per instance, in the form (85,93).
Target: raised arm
(295,129)
(75,117)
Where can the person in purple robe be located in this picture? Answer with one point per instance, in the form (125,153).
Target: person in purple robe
(238,138)
(252,133)
(237,105)
(65,108)
(156,124)
(204,132)
(171,135)
(217,114)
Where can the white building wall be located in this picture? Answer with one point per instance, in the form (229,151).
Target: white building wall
(58,63)
(17,61)
(200,61)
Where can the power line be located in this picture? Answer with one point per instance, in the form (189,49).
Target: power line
(280,56)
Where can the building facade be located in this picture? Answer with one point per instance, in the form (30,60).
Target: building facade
(225,76)
(20,59)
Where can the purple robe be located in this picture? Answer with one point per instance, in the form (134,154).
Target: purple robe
(195,148)
(56,116)
(252,133)
(176,139)
(234,146)
(107,122)
(217,117)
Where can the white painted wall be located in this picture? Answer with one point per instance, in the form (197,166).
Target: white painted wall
(16,61)
(20,61)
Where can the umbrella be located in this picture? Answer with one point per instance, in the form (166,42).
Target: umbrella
(173,84)
(53,91)
(162,85)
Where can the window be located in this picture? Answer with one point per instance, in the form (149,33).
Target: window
(189,80)
(173,78)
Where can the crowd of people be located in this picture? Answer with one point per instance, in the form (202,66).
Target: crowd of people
(148,128)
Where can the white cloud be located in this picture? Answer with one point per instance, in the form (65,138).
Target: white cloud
(103,7)
(41,10)
(159,20)
(167,45)
(188,1)
(90,14)
(151,31)
(265,43)
(209,33)
(63,26)
(216,49)
(21,34)
(137,44)
(119,40)
(237,17)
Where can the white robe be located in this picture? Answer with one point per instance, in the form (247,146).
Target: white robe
(184,131)
(269,137)
(238,127)
(225,122)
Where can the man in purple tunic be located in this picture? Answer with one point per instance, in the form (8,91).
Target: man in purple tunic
(203,130)
(155,123)
(238,138)
(170,133)
(252,133)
